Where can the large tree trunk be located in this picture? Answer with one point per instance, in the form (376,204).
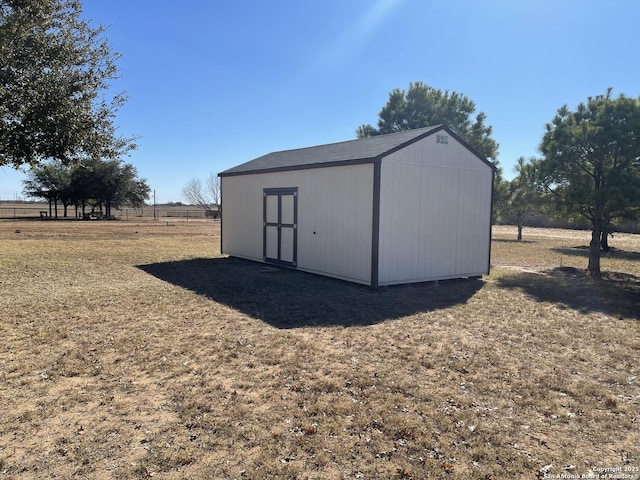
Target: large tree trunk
(594,252)
(519,232)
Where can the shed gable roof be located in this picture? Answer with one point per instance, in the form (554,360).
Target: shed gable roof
(364,150)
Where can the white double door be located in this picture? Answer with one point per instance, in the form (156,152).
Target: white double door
(280,225)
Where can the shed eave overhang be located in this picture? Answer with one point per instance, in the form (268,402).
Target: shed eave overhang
(307,166)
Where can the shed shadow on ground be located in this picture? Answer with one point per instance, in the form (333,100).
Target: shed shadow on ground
(616,294)
(291,299)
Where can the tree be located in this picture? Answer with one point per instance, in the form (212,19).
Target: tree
(422,106)
(51,181)
(114,184)
(521,197)
(204,195)
(500,197)
(82,187)
(109,184)
(55,71)
(591,164)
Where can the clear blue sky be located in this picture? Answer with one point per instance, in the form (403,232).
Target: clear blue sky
(214,83)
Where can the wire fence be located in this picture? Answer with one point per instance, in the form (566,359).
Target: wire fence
(8,211)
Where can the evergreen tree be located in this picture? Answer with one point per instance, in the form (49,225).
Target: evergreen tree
(591,164)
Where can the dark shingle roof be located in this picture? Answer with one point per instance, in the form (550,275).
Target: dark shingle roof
(350,152)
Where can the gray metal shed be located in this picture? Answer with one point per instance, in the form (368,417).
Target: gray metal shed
(406,207)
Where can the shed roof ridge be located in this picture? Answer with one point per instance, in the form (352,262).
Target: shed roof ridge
(354,151)
(353,140)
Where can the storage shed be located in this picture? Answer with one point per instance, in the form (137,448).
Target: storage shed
(406,207)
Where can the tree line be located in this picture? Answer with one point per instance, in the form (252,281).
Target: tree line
(99,184)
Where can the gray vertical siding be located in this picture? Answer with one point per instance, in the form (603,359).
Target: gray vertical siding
(435,213)
(334,218)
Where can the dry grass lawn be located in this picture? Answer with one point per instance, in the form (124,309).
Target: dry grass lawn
(134,350)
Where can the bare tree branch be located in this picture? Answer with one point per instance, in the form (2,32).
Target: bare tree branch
(204,195)
(213,189)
